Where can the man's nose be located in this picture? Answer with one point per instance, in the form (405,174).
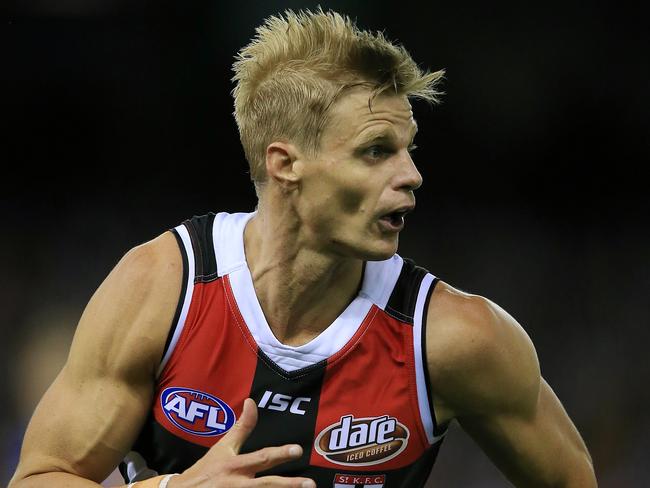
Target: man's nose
(409,176)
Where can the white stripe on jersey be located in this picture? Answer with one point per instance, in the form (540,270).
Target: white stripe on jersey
(420,362)
(187,244)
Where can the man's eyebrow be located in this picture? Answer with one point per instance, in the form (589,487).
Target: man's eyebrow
(384,134)
(377,136)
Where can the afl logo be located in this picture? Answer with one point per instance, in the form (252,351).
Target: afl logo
(197,412)
(362,442)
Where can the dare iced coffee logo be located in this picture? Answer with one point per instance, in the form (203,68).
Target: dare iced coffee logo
(363,441)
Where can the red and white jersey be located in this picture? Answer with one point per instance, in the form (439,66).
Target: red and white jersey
(357,397)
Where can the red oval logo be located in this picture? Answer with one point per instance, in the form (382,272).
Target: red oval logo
(362,442)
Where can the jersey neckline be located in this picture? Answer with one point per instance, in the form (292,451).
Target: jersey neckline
(377,284)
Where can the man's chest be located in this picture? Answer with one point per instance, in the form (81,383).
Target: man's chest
(354,412)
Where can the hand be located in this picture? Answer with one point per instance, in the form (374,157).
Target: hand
(223,466)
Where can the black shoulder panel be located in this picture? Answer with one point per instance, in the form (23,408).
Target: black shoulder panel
(200,230)
(401,304)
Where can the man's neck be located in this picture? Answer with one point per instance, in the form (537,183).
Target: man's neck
(301,289)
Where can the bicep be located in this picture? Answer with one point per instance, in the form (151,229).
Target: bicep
(83,425)
(540,447)
(485,373)
(89,417)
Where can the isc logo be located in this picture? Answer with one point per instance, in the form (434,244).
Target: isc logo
(197,412)
(281,403)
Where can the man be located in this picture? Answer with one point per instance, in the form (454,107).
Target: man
(355,360)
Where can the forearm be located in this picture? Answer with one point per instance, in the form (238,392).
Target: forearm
(53,480)
(68,480)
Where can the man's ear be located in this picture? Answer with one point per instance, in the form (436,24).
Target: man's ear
(280,164)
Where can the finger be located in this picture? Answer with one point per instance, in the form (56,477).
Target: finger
(282,482)
(245,424)
(267,458)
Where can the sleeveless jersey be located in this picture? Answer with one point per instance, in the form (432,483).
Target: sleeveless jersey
(356,398)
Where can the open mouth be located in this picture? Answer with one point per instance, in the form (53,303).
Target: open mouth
(393,221)
(395,218)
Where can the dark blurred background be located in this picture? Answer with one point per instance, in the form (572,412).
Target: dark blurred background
(116,125)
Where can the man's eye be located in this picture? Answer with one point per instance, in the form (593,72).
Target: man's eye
(376,152)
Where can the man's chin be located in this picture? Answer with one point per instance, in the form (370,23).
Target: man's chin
(369,249)
(379,250)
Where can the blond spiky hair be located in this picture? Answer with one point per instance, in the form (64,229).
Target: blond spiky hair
(291,73)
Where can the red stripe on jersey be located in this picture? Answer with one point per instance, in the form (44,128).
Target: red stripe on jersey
(209,359)
(377,378)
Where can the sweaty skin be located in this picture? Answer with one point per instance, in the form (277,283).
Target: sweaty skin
(318,219)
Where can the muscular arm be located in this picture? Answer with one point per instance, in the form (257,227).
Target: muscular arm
(484,372)
(93,411)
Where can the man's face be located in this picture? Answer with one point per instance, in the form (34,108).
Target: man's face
(354,193)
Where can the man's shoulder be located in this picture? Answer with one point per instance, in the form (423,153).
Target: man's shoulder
(476,351)
(462,313)
(124,326)
(143,286)
(152,260)
(462,328)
